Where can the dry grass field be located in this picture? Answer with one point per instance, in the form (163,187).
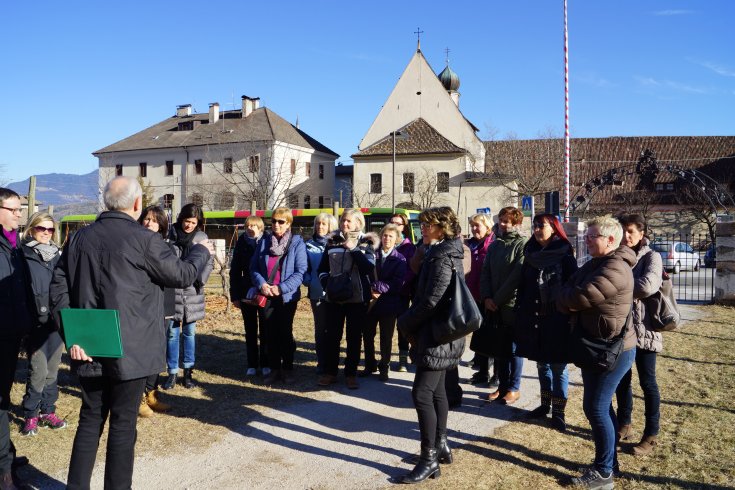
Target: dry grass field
(696,374)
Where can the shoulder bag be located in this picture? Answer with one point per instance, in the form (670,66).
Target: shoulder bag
(459,315)
(662,309)
(597,354)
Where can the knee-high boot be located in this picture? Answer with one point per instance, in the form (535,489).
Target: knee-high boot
(443,451)
(558,405)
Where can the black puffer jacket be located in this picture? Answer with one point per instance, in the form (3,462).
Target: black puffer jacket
(40,273)
(415,324)
(541,331)
(240,280)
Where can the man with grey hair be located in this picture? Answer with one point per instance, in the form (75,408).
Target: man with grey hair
(117,264)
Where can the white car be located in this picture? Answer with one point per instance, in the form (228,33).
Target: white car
(677,256)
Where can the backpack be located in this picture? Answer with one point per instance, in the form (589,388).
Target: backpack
(663,310)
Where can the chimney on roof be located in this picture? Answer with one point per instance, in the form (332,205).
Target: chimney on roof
(213,112)
(249,104)
(183,110)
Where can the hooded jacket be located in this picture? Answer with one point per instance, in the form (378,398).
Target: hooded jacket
(647,276)
(501,273)
(433,281)
(601,295)
(359,262)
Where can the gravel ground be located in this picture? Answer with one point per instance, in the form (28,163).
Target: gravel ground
(354,439)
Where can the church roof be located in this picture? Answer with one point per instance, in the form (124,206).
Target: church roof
(421,139)
(261,125)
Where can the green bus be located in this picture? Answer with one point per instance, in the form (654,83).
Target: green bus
(227,225)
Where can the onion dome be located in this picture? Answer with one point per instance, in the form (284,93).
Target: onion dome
(449,79)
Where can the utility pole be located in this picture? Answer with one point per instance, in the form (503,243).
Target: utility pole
(31,196)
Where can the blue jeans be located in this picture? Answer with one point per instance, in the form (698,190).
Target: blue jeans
(597,403)
(509,373)
(553,377)
(172,349)
(645,363)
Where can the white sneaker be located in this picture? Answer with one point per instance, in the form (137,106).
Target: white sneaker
(250,372)
(266,371)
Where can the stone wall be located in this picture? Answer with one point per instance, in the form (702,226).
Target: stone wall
(725,277)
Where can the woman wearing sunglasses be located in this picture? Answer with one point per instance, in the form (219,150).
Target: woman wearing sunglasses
(277,270)
(541,332)
(44,344)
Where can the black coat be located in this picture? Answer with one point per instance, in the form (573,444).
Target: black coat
(40,274)
(15,301)
(415,324)
(240,280)
(117,264)
(541,332)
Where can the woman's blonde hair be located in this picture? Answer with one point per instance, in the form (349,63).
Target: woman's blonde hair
(608,226)
(390,227)
(482,218)
(255,220)
(330,220)
(283,213)
(35,220)
(356,214)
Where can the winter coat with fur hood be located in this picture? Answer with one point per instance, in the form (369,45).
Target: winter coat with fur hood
(648,276)
(359,262)
(415,324)
(600,295)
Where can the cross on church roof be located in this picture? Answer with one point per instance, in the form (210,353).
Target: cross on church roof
(418,33)
(447,52)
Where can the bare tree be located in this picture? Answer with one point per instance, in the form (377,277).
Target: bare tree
(148,192)
(425,191)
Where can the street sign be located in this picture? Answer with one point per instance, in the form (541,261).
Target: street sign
(527,205)
(483,210)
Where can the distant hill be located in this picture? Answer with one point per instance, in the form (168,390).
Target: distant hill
(68,193)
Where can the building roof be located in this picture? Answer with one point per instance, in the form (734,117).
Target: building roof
(593,157)
(261,125)
(422,139)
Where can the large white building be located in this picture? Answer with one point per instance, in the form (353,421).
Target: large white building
(224,160)
(438,155)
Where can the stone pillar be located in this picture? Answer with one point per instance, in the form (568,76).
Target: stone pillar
(725,256)
(575,233)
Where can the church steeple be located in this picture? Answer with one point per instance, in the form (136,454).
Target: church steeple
(450,80)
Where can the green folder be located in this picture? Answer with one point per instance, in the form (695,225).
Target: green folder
(95,331)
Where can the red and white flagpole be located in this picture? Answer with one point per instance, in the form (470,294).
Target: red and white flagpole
(566,116)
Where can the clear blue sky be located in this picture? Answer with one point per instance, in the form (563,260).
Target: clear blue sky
(78,76)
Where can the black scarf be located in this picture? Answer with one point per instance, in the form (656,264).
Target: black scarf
(540,258)
(320,240)
(184,241)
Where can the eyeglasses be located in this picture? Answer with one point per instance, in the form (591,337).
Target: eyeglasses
(426,225)
(13,210)
(279,221)
(540,226)
(593,237)
(41,229)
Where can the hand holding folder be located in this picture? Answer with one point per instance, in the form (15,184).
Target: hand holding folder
(96,332)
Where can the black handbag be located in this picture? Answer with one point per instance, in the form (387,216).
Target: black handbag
(662,308)
(493,339)
(459,315)
(597,354)
(339,286)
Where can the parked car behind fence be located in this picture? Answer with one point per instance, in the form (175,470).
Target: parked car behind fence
(677,256)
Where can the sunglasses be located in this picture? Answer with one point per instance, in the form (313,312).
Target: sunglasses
(41,229)
(279,221)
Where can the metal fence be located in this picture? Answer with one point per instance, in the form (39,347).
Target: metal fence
(688,259)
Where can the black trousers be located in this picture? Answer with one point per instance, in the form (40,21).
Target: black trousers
(103,397)
(352,315)
(9,349)
(430,400)
(387,326)
(278,321)
(255,342)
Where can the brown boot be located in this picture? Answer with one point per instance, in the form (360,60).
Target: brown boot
(144,410)
(624,431)
(156,404)
(646,446)
(510,398)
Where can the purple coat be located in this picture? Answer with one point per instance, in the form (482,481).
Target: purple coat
(390,273)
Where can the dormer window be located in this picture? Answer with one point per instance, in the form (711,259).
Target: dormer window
(186,126)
